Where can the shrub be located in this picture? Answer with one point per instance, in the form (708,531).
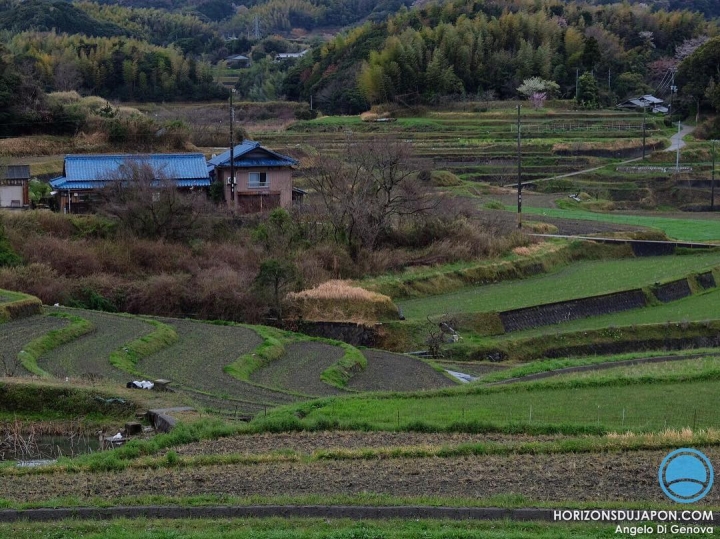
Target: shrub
(69,258)
(8,257)
(494,205)
(444,178)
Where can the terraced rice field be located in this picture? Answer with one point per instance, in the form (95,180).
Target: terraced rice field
(17,334)
(90,354)
(580,279)
(396,372)
(599,477)
(299,369)
(197,360)
(479,147)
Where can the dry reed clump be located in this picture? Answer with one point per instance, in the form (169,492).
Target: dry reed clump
(83,143)
(540,228)
(530,250)
(669,436)
(612,145)
(340,301)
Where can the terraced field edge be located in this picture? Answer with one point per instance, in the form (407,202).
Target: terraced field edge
(19,306)
(29,355)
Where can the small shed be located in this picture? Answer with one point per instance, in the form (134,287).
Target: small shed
(14,186)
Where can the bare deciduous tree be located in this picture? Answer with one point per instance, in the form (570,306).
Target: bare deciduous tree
(150,205)
(367,189)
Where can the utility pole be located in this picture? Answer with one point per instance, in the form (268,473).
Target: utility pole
(577,83)
(609,90)
(643,127)
(519,171)
(677,154)
(712,181)
(673,89)
(232,150)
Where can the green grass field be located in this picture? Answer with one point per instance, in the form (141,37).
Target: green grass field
(701,230)
(277,528)
(581,279)
(643,405)
(694,308)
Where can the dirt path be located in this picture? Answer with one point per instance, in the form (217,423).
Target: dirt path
(612,476)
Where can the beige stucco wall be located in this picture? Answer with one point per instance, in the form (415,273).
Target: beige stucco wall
(279,181)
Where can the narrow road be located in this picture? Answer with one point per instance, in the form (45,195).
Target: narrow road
(677,139)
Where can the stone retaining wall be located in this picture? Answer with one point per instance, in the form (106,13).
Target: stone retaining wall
(348,332)
(622,347)
(564,311)
(706,280)
(672,291)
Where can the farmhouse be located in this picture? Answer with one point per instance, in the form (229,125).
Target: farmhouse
(649,102)
(238,61)
(14,186)
(263,178)
(84,175)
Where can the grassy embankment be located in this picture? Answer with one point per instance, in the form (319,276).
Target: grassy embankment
(296,528)
(580,279)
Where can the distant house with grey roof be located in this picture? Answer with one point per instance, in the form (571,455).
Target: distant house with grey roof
(649,102)
(237,61)
(14,186)
(282,56)
(84,175)
(263,178)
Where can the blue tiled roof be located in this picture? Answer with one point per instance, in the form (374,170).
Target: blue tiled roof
(91,171)
(273,159)
(64,184)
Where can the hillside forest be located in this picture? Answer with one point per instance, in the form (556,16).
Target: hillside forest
(423,55)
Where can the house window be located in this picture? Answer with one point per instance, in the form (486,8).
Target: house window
(257,179)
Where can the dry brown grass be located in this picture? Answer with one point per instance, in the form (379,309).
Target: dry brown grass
(340,301)
(540,228)
(608,145)
(369,116)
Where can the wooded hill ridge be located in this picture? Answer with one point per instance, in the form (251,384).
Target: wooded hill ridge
(488,48)
(481,49)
